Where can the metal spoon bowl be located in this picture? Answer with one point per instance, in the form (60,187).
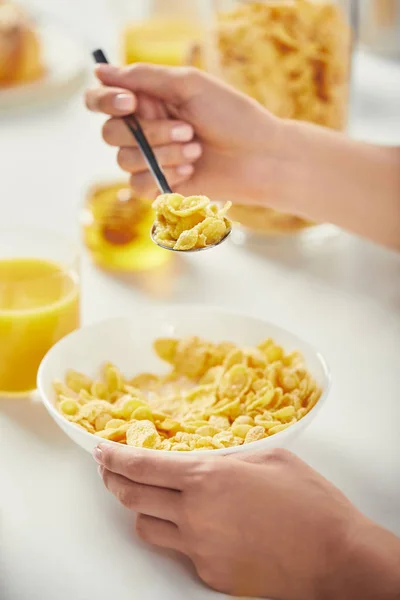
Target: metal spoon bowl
(153,230)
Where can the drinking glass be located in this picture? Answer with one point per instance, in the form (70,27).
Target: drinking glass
(39,302)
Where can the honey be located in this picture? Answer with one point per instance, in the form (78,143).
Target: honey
(116,227)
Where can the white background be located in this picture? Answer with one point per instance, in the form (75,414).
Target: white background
(62,536)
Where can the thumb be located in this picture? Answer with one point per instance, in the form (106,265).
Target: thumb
(169,84)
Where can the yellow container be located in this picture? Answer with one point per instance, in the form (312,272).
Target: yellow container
(39,303)
(167,31)
(165,41)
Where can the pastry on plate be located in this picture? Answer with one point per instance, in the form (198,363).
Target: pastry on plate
(20,49)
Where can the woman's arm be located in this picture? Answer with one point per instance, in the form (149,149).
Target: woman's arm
(327,176)
(223,144)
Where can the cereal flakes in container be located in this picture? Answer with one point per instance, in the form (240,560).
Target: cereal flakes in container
(294,57)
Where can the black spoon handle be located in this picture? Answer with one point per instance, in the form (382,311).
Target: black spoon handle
(135,128)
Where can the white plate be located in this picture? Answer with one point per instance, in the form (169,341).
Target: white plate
(128,344)
(66,65)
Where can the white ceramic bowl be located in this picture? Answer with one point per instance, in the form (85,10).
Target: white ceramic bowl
(128,344)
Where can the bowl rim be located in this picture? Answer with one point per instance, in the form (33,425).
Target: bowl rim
(161,310)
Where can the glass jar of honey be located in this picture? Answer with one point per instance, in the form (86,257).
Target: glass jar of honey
(294,57)
(164,32)
(116,227)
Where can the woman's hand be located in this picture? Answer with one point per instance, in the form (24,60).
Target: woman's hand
(213,140)
(209,139)
(262,525)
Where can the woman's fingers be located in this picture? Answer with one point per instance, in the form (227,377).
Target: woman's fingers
(158,132)
(151,469)
(174,85)
(117,97)
(149,500)
(111,101)
(159,533)
(131,159)
(144,184)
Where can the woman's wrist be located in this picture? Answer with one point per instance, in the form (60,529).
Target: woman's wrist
(262,174)
(287,174)
(368,568)
(324,176)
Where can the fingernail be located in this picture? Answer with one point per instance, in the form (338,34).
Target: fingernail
(192,150)
(98,455)
(185,170)
(182,133)
(123,102)
(105,69)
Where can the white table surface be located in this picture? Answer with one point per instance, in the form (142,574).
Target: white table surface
(62,536)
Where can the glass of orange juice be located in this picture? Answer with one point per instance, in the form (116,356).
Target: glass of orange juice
(39,302)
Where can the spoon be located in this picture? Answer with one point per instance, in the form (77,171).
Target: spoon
(153,232)
(135,128)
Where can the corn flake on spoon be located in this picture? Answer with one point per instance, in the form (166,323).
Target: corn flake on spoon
(207,247)
(135,128)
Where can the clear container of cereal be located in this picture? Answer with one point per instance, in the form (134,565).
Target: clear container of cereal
(294,57)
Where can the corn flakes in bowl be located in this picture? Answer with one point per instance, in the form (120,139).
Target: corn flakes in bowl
(156,384)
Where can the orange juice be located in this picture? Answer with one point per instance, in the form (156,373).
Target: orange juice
(39,304)
(164,41)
